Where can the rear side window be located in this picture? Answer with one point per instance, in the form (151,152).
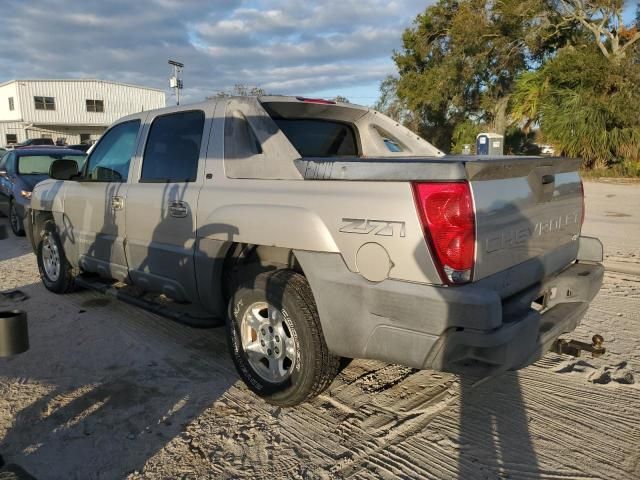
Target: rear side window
(173,148)
(320,138)
(240,140)
(109,161)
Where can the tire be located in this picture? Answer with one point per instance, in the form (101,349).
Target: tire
(17,223)
(52,259)
(293,364)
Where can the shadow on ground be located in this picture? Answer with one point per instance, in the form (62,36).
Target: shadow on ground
(98,394)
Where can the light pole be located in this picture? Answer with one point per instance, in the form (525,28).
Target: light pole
(175,81)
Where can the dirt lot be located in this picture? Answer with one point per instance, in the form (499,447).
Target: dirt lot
(110,391)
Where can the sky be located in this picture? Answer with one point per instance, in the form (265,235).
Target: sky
(322,48)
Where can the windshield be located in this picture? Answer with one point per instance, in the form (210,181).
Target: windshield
(39,164)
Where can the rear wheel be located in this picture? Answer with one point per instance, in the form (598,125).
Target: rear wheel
(55,271)
(16,222)
(276,339)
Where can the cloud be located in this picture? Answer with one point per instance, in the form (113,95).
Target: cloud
(284,46)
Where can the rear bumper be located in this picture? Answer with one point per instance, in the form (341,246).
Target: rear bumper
(458,329)
(524,337)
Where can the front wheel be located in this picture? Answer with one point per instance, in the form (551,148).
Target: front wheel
(276,339)
(55,271)
(16,222)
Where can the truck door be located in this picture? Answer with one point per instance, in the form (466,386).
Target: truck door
(93,226)
(162,204)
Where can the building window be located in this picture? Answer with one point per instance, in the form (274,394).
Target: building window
(44,103)
(95,105)
(11,105)
(85,137)
(11,138)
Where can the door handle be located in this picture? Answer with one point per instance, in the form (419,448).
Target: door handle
(117,203)
(178,209)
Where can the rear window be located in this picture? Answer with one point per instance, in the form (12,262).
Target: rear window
(39,164)
(320,138)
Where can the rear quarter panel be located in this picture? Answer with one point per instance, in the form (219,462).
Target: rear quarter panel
(321,216)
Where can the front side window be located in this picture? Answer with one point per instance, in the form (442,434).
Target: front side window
(40,164)
(44,103)
(95,105)
(173,148)
(11,105)
(109,161)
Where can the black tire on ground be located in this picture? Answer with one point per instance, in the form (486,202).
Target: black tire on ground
(49,242)
(17,224)
(313,367)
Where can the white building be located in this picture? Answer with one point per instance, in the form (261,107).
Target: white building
(74,110)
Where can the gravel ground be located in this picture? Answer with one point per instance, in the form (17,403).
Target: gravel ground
(111,391)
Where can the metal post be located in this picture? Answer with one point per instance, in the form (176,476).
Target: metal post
(14,333)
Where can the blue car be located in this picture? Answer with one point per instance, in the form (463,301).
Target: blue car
(20,171)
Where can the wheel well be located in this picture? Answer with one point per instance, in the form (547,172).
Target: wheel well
(39,218)
(244,260)
(35,225)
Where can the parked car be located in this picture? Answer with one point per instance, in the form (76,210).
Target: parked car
(83,147)
(20,171)
(547,150)
(323,231)
(31,142)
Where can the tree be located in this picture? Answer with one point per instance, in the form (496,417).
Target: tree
(460,60)
(603,19)
(585,105)
(586,98)
(240,90)
(340,99)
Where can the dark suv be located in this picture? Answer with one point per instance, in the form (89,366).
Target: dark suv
(20,171)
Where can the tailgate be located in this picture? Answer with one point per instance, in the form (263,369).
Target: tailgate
(526,207)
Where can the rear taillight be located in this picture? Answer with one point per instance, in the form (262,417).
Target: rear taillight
(448,219)
(583,207)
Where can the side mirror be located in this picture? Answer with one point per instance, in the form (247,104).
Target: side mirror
(63,169)
(3,173)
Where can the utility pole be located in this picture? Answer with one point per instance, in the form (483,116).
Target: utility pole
(175,81)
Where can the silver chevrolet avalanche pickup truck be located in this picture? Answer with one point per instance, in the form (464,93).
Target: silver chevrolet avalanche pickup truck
(324,231)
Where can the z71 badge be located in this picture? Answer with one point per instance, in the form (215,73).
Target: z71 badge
(385,228)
